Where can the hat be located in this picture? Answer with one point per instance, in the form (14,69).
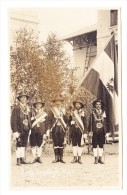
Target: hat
(22,94)
(94,102)
(58,98)
(78,101)
(38,100)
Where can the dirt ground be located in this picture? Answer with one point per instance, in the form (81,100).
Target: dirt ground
(68,176)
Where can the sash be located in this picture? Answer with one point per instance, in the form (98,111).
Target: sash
(39,118)
(78,121)
(59,118)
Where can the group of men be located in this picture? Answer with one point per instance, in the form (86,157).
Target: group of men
(37,125)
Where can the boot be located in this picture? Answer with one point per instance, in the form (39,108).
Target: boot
(34,160)
(22,160)
(61,160)
(100,160)
(18,162)
(56,156)
(39,160)
(74,159)
(79,160)
(61,155)
(96,160)
(56,159)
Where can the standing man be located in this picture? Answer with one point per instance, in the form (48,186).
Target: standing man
(38,131)
(78,130)
(97,127)
(58,121)
(21,124)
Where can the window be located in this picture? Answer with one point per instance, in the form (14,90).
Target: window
(113,17)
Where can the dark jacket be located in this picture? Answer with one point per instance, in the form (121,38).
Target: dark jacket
(17,118)
(84,121)
(43,126)
(52,119)
(92,123)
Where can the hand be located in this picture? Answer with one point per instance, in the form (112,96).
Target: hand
(90,134)
(72,122)
(44,137)
(107,135)
(48,133)
(15,135)
(84,136)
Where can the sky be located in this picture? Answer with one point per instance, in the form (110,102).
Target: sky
(61,20)
(64,21)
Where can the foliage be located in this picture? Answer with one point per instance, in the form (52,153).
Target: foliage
(55,75)
(39,69)
(25,59)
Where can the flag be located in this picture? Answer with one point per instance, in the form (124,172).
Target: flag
(101,81)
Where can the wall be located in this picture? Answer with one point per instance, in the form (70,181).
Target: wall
(104,30)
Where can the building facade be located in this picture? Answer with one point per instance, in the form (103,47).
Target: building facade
(20,19)
(89,41)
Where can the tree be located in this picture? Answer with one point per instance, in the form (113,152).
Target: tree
(55,77)
(39,69)
(24,60)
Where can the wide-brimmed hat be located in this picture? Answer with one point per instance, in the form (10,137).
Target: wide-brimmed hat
(98,100)
(22,94)
(58,98)
(78,101)
(38,100)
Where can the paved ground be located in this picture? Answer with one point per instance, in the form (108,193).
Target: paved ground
(50,175)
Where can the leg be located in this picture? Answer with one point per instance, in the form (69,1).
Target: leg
(18,156)
(80,149)
(61,143)
(95,152)
(56,143)
(75,152)
(24,139)
(61,154)
(74,143)
(39,149)
(34,152)
(56,155)
(79,154)
(101,142)
(33,146)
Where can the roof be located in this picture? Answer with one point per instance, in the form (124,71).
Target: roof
(82,31)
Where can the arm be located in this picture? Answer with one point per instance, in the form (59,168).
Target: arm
(14,120)
(84,120)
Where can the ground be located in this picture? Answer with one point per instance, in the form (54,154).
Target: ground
(68,175)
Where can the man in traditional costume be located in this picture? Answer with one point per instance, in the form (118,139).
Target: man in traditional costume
(78,130)
(97,127)
(58,121)
(39,130)
(21,124)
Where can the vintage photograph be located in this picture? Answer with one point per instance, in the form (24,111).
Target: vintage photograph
(65,98)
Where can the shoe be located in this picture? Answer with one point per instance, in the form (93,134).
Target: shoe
(39,160)
(18,162)
(56,159)
(34,160)
(22,160)
(96,160)
(61,160)
(74,160)
(79,160)
(100,160)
